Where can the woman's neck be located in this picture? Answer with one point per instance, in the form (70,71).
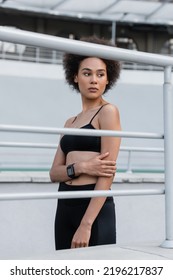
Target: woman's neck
(87,106)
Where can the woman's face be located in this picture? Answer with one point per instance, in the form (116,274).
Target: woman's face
(92,77)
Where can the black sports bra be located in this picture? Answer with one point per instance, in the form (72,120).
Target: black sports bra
(69,143)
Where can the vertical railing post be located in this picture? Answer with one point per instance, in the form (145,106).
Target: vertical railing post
(113,37)
(168,143)
(37,58)
(129,164)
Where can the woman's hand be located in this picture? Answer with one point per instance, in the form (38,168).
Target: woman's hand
(99,166)
(81,237)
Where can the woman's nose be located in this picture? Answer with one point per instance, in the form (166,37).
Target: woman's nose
(93,79)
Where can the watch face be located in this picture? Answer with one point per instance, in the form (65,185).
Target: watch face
(70,171)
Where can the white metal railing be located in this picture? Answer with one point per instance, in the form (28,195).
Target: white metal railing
(88,49)
(76,131)
(79,194)
(48,130)
(130,150)
(54,146)
(11,51)
(37,145)
(18,52)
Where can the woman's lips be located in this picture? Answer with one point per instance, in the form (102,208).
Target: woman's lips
(92,89)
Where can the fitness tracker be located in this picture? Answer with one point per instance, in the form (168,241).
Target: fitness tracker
(70,171)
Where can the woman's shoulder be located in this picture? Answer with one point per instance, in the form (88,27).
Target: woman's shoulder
(109,116)
(110,109)
(69,121)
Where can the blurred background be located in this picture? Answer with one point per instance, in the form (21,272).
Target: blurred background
(33,91)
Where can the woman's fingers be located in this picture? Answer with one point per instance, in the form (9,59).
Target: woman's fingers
(109,162)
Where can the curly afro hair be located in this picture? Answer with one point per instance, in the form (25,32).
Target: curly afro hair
(71,63)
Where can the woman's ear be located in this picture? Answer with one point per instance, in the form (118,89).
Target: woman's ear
(75,79)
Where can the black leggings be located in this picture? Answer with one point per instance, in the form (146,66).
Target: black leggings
(69,215)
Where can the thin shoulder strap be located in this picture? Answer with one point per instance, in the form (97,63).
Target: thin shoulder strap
(97,112)
(74,119)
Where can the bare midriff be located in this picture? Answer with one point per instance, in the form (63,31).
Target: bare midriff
(79,156)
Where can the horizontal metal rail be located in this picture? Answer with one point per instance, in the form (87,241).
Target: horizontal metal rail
(142,149)
(28,145)
(55,57)
(126,149)
(54,146)
(76,131)
(79,194)
(83,48)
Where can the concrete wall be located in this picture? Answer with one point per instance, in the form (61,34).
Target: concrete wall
(37,95)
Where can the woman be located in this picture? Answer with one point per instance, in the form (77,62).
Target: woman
(87,162)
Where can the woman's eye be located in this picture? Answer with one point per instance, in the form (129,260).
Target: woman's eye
(86,74)
(100,75)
